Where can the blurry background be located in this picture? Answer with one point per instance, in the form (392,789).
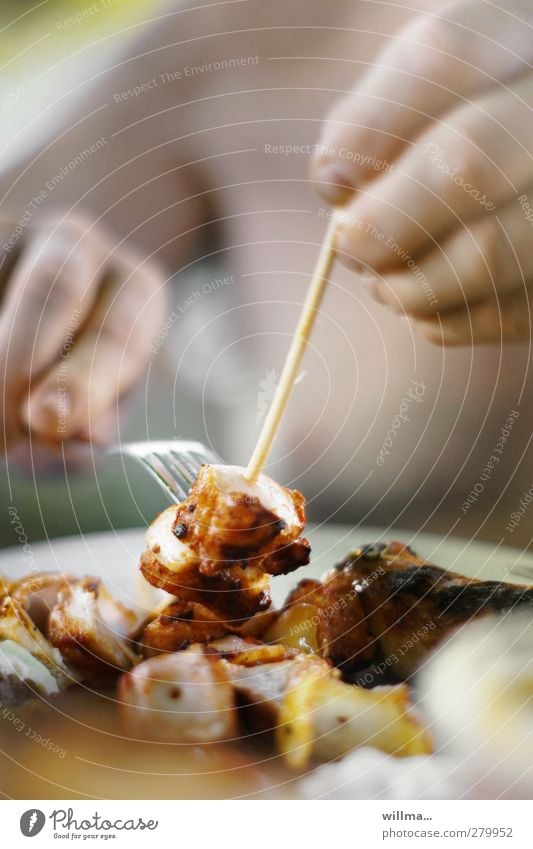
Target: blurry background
(35,56)
(215,376)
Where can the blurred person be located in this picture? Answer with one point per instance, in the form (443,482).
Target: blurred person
(226,133)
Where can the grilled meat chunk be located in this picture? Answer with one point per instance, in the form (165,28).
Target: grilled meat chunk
(235,591)
(318,717)
(325,617)
(226,520)
(47,671)
(315,716)
(37,594)
(22,676)
(90,629)
(219,547)
(184,622)
(405,606)
(183,697)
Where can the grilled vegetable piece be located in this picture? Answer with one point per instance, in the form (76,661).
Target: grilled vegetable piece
(16,625)
(227,520)
(318,717)
(410,605)
(189,696)
(91,629)
(185,697)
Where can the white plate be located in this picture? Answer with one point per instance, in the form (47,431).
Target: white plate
(92,764)
(114,556)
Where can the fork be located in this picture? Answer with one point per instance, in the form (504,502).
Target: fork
(173,463)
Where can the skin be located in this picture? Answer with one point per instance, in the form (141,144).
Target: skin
(102,246)
(454,135)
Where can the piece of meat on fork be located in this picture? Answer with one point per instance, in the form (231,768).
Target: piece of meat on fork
(220,546)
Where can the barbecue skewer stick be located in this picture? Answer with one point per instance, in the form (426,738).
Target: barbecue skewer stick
(295,354)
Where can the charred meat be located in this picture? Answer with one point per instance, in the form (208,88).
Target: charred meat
(221,545)
(384,605)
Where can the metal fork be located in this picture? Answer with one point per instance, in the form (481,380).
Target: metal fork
(173,463)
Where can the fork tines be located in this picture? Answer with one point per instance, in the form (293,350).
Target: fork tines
(173,463)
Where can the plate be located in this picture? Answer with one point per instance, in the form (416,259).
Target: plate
(75,748)
(114,555)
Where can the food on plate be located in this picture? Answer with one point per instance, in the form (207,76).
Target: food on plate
(228,520)
(384,606)
(22,675)
(182,697)
(40,664)
(91,629)
(477,692)
(234,594)
(56,630)
(326,617)
(220,546)
(214,661)
(206,693)
(184,622)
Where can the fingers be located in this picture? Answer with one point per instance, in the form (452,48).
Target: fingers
(55,279)
(457,172)
(78,394)
(487,260)
(434,63)
(494,322)
(48,294)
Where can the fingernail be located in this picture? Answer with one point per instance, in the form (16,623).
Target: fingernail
(346,246)
(372,288)
(433,331)
(47,413)
(335,185)
(369,276)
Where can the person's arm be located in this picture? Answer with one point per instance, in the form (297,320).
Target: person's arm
(431,160)
(91,220)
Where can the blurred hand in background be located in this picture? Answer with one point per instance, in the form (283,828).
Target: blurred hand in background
(79,315)
(442,124)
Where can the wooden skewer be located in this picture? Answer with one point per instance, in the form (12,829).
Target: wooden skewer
(295,354)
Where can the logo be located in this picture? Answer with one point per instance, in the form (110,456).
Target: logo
(32,822)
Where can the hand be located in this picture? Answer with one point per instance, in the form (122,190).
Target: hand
(77,319)
(431,159)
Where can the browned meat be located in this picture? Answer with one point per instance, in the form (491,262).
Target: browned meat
(405,606)
(183,697)
(17,627)
(184,622)
(326,617)
(219,547)
(90,630)
(410,605)
(225,521)
(191,696)
(180,624)
(234,593)
(38,594)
